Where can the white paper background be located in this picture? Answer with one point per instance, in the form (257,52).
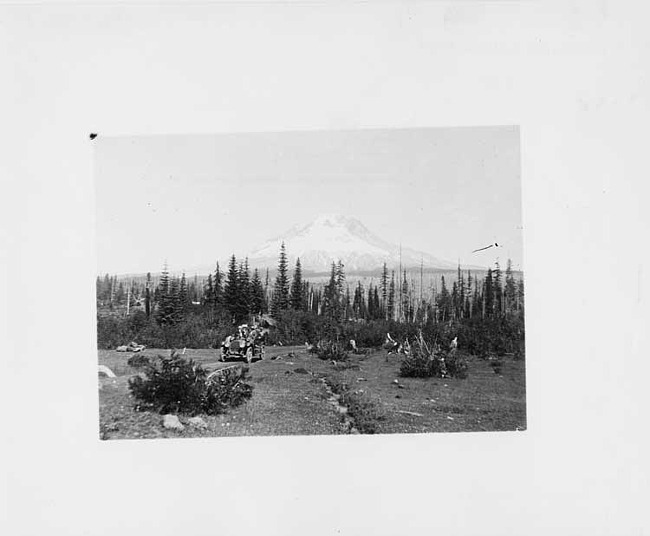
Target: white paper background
(573,75)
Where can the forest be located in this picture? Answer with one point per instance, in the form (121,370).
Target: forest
(484,310)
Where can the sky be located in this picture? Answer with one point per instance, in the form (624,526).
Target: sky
(190,200)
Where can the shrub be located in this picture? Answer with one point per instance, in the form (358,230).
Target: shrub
(176,385)
(422,362)
(367,334)
(138,361)
(456,365)
(331,350)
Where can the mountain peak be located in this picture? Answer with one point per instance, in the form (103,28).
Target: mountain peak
(331,237)
(332,218)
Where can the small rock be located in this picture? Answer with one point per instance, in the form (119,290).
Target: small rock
(362,380)
(172,422)
(197,422)
(398,396)
(395,382)
(400,386)
(450,418)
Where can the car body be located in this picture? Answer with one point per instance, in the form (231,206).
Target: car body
(247,344)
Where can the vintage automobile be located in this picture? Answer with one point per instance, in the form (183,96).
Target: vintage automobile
(247,344)
(131,347)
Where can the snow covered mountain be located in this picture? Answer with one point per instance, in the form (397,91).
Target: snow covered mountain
(331,237)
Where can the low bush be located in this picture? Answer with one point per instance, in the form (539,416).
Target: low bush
(456,365)
(195,331)
(422,362)
(176,385)
(138,361)
(330,350)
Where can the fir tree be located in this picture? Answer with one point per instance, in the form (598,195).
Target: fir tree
(443,302)
(297,297)
(372,314)
(488,294)
(177,313)
(217,295)
(244,284)
(147,296)
(498,289)
(384,287)
(184,295)
(208,292)
(391,297)
(357,302)
(404,298)
(520,295)
(510,291)
(333,300)
(165,302)
(231,294)
(258,305)
(281,287)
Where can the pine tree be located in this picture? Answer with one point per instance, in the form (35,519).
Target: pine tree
(468,295)
(498,289)
(443,301)
(378,307)
(165,312)
(281,288)
(391,297)
(297,298)
(454,300)
(340,277)
(244,284)
(217,296)
(384,289)
(175,301)
(404,299)
(371,313)
(488,294)
(147,296)
(208,293)
(184,295)
(357,302)
(333,299)
(231,295)
(510,291)
(258,305)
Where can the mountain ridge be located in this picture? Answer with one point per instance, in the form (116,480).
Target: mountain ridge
(330,237)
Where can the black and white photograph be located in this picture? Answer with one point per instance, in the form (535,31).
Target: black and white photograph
(310,283)
(312,267)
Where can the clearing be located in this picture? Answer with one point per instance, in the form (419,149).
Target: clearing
(295,393)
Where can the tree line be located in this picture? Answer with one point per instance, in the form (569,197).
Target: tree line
(237,294)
